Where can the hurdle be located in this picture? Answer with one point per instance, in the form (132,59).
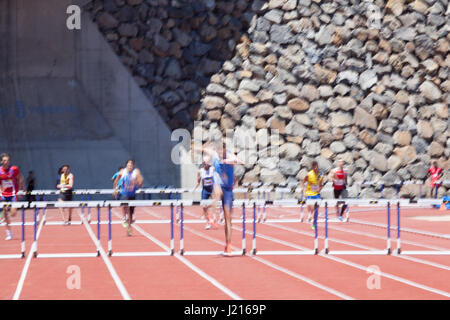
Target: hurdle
(67,204)
(383,202)
(16,205)
(421,202)
(315,251)
(145,203)
(236,204)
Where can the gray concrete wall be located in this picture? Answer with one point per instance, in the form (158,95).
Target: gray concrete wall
(66,98)
(124,106)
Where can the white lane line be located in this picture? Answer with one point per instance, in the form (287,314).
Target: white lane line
(393,227)
(392,277)
(371,235)
(358,266)
(112,271)
(418,260)
(276,267)
(186,262)
(23,275)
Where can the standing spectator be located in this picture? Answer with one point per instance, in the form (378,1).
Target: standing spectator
(31,183)
(436,173)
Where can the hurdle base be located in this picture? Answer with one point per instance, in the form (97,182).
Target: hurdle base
(432,253)
(142,254)
(12,256)
(212,253)
(358,252)
(66,255)
(282,253)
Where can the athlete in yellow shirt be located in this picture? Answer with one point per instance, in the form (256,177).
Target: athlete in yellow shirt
(313,182)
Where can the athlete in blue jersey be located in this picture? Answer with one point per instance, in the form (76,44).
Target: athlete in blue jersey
(131,179)
(224,180)
(116,192)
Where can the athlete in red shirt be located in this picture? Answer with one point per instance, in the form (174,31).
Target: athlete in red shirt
(11,181)
(436,173)
(339,186)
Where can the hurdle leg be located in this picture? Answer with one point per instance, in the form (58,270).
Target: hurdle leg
(254,231)
(82,207)
(388,228)
(35,234)
(326,228)
(398,229)
(316,234)
(23,233)
(109,232)
(264,208)
(98,230)
(243,228)
(347,213)
(181,231)
(172,245)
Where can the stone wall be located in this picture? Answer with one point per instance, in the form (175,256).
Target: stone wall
(367,81)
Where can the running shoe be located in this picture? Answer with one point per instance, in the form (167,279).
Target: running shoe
(129,232)
(228,250)
(340,218)
(124,223)
(8,236)
(208,226)
(313,227)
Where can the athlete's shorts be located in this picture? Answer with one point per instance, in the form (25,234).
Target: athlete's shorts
(206,193)
(66,196)
(125,197)
(340,193)
(317,196)
(227,197)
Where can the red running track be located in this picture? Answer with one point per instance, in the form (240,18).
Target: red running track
(218,277)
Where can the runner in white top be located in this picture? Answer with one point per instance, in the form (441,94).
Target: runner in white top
(205,176)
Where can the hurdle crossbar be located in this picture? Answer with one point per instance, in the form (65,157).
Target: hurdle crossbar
(137,203)
(387,251)
(214,253)
(288,252)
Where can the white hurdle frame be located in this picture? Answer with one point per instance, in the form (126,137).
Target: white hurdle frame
(315,251)
(236,204)
(66,204)
(145,203)
(386,251)
(16,205)
(422,202)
